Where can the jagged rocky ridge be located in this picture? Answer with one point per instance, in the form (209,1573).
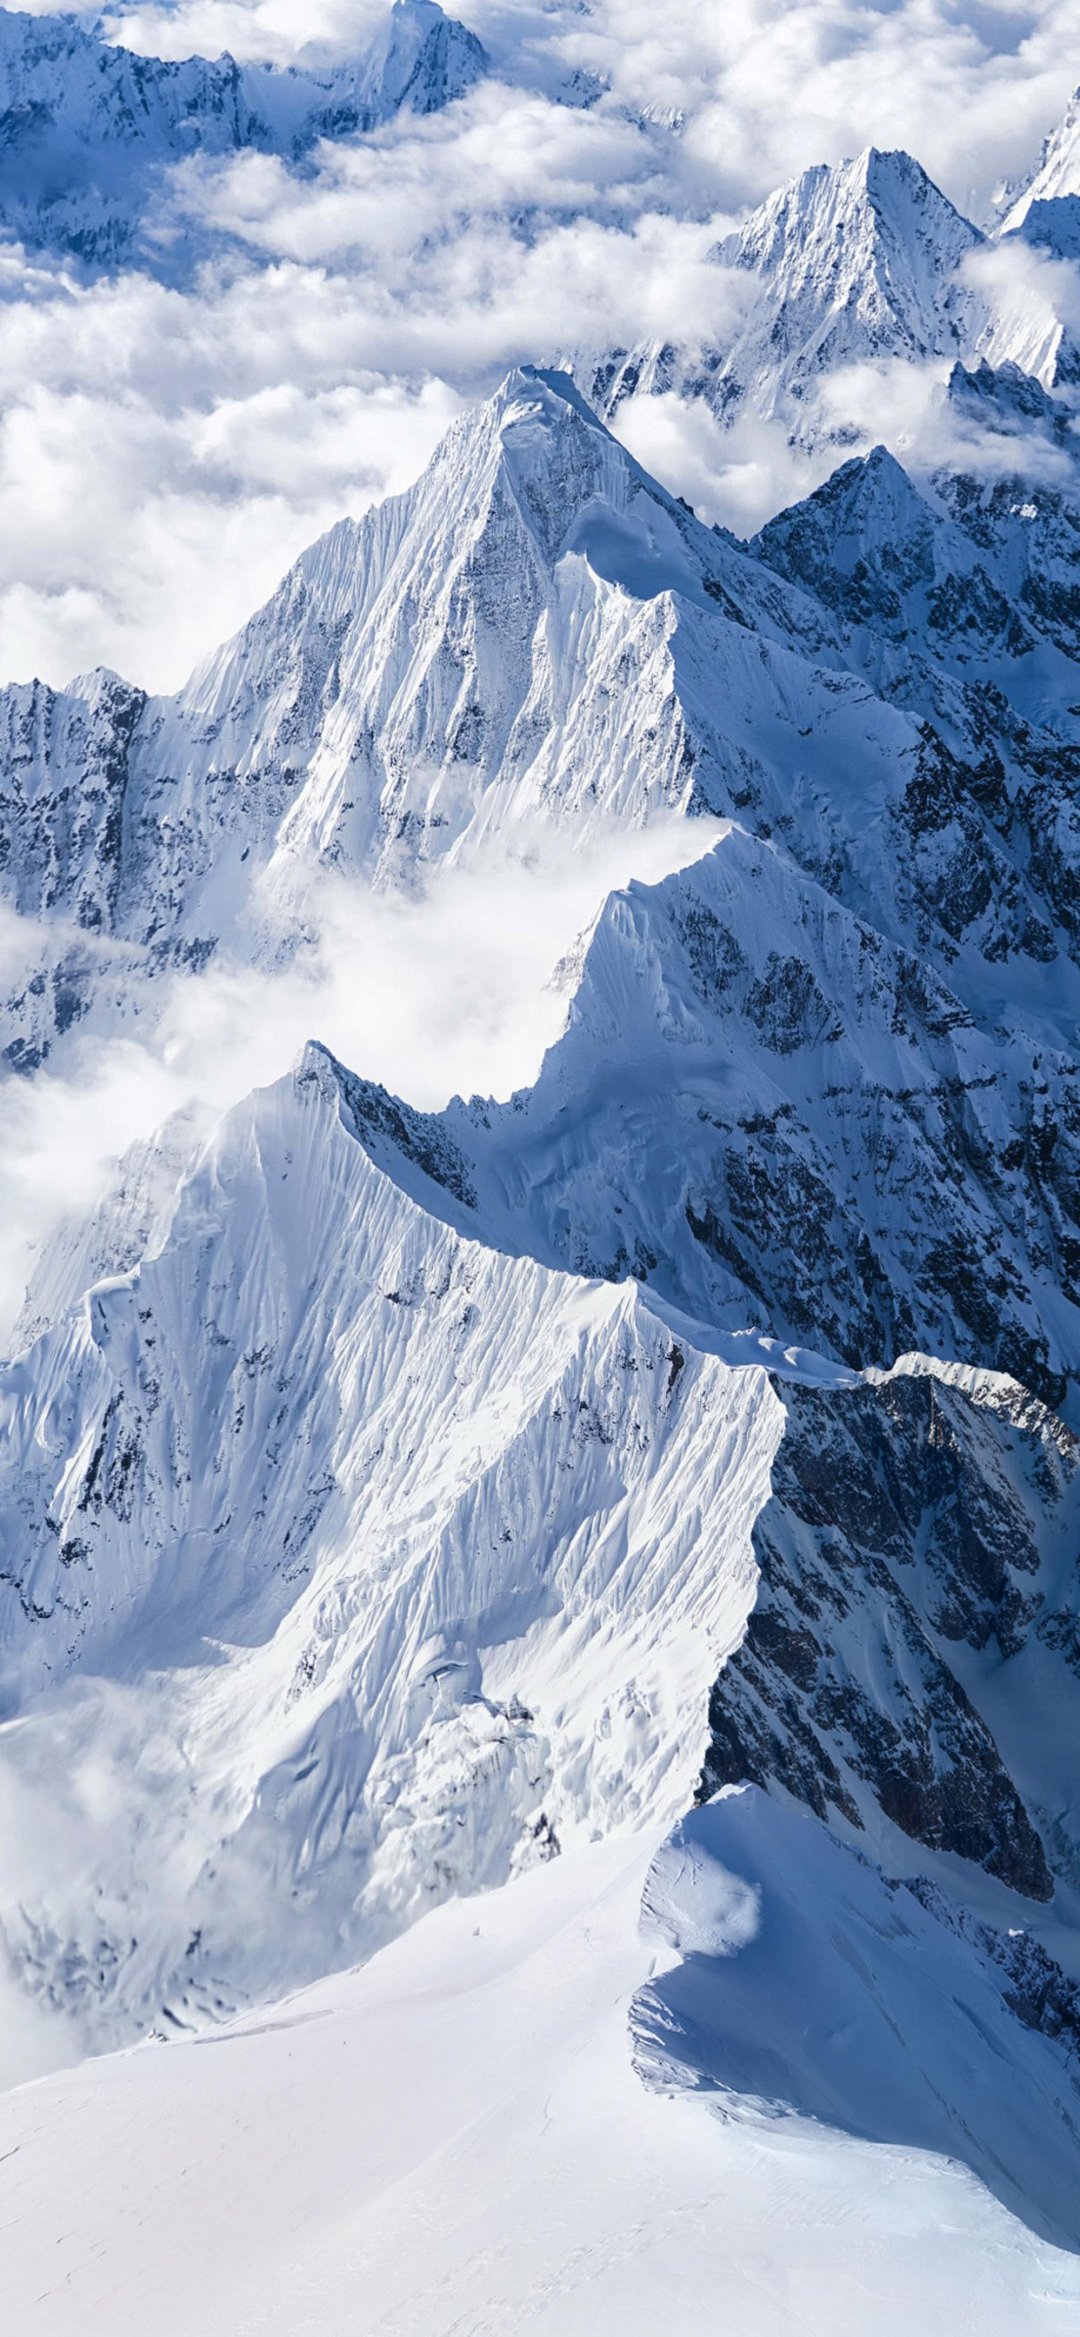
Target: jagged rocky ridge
(947,1502)
(89,130)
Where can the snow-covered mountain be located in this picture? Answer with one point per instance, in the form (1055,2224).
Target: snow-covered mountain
(412,1561)
(539,633)
(87,128)
(852,261)
(1045,206)
(393,1503)
(854,265)
(450,667)
(797,1126)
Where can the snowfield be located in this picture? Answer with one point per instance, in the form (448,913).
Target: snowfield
(453,2140)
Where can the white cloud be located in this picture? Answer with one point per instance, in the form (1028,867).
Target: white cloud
(138,538)
(767,86)
(737,477)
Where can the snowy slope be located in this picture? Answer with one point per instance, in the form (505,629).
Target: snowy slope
(453,2138)
(809,1983)
(364,1533)
(772,1116)
(1052,188)
(87,129)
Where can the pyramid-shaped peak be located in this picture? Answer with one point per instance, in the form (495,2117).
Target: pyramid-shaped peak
(891,172)
(875,477)
(854,260)
(870,499)
(423,59)
(876,191)
(546,389)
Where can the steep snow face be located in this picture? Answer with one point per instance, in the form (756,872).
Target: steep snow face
(505,644)
(852,261)
(493,646)
(813,1986)
(87,128)
(422,60)
(402,1561)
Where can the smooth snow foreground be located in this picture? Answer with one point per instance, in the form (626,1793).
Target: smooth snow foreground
(454,2140)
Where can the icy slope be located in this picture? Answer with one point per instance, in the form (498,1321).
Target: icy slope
(1056,178)
(400,1562)
(454,2137)
(87,129)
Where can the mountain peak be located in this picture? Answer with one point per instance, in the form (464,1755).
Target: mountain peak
(422,60)
(853,261)
(1056,174)
(889,190)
